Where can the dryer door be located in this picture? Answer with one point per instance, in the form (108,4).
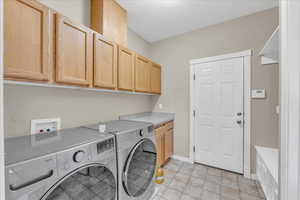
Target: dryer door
(93,181)
(139,168)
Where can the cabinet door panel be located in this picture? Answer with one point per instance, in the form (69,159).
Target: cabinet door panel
(74,53)
(142,74)
(159,146)
(125,69)
(109,19)
(168,138)
(27,40)
(105,63)
(156,78)
(114,22)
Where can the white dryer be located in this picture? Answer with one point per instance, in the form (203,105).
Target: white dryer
(77,164)
(136,155)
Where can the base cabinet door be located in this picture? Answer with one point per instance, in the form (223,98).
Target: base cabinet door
(155,78)
(142,74)
(73,53)
(125,69)
(168,139)
(159,146)
(105,63)
(27,40)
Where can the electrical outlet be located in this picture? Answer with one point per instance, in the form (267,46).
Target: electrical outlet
(45,125)
(160,106)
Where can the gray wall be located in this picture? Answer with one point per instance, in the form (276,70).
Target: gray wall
(23,103)
(138,44)
(77,10)
(250,32)
(75,108)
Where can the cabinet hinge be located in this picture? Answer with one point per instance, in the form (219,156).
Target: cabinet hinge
(194,149)
(194,76)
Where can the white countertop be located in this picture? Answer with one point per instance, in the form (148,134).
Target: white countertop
(271,158)
(155,118)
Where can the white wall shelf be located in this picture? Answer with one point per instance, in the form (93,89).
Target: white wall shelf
(270,52)
(48,85)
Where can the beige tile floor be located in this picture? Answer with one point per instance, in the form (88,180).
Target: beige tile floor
(184,181)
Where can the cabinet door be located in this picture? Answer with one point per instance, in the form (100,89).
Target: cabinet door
(159,146)
(109,19)
(155,78)
(105,63)
(168,139)
(73,53)
(142,74)
(27,40)
(125,69)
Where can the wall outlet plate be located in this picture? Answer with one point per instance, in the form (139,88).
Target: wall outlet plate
(45,125)
(160,106)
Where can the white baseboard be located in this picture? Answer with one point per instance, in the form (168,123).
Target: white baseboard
(181,158)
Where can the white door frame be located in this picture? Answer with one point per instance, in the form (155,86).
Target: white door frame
(2,180)
(247,103)
(290,100)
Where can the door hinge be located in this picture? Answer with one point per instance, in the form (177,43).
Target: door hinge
(194,113)
(194,76)
(194,149)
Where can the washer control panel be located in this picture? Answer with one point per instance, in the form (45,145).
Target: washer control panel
(71,159)
(78,156)
(105,145)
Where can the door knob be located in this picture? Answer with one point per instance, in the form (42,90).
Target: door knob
(239,121)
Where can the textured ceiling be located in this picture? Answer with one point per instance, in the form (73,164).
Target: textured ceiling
(159,19)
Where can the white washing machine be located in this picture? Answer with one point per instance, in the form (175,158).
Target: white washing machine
(73,164)
(136,155)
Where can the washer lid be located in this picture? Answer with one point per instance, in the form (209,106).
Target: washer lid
(32,146)
(121,126)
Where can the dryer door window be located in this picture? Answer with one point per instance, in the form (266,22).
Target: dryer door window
(90,182)
(139,168)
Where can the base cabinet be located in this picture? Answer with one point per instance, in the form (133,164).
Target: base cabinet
(164,142)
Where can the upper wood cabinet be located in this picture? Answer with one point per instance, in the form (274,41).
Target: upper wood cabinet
(109,19)
(42,45)
(155,82)
(74,51)
(27,44)
(125,69)
(105,62)
(142,74)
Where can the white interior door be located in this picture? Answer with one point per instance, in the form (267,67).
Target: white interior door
(218,103)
